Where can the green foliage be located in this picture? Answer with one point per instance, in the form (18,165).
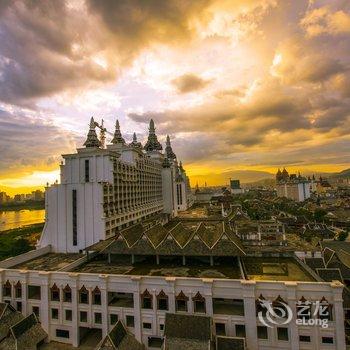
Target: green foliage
(34,205)
(319,214)
(17,241)
(343,236)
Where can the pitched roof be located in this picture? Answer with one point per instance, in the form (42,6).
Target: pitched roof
(26,333)
(210,233)
(156,235)
(185,344)
(188,327)
(344,257)
(315,263)
(186,238)
(8,317)
(327,254)
(119,338)
(132,234)
(230,343)
(182,234)
(330,274)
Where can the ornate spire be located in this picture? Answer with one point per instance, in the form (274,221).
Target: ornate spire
(151,126)
(92,139)
(166,163)
(117,138)
(152,142)
(180,166)
(168,150)
(135,143)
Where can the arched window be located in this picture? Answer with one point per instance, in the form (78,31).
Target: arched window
(55,293)
(181,302)
(96,296)
(303,309)
(7,289)
(162,301)
(67,294)
(18,290)
(199,303)
(324,310)
(259,305)
(83,295)
(146,300)
(280,308)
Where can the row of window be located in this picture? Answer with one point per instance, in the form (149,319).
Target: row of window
(262,333)
(220,305)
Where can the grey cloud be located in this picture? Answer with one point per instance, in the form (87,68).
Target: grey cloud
(26,142)
(189,83)
(136,23)
(47,47)
(37,55)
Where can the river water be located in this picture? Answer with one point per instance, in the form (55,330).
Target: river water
(18,218)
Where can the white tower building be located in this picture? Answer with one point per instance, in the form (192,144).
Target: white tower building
(103,190)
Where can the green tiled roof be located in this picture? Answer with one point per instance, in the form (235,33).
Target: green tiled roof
(182,234)
(185,344)
(156,234)
(210,233)
(330,275)
(9,317)
(186,238)
(230,343)
(188,327)
(132,234)
(120,339)
(21,332)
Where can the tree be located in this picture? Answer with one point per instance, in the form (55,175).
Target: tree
(319,214)
(343,236)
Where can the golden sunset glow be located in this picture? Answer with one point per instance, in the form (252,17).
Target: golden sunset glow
(241,87)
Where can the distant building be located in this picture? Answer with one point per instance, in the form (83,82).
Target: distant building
(38,195)
(19,198)
(322,185)
(3,197)
(292,186)
(235,187)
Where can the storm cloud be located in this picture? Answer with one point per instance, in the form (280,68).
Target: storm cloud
(254,84)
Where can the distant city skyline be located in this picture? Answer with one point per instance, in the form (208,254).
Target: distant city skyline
(240,86)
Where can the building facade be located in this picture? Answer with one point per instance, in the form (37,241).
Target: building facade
(115,248)
(68,304)
(105,189)
(292,186)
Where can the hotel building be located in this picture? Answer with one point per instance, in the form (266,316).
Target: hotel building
(122,243)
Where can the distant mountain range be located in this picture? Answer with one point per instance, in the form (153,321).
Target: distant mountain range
(342,174)
(270,179)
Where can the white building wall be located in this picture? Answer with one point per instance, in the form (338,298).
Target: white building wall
(249,291)
(58,229)
(298,191)
(94,221)
(168,191)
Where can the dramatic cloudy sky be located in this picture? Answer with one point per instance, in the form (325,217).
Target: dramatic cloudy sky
(239,85)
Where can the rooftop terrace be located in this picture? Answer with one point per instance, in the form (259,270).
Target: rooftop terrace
(275,269)
(48,262)
(195,212)
(222,268)
(255,268)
